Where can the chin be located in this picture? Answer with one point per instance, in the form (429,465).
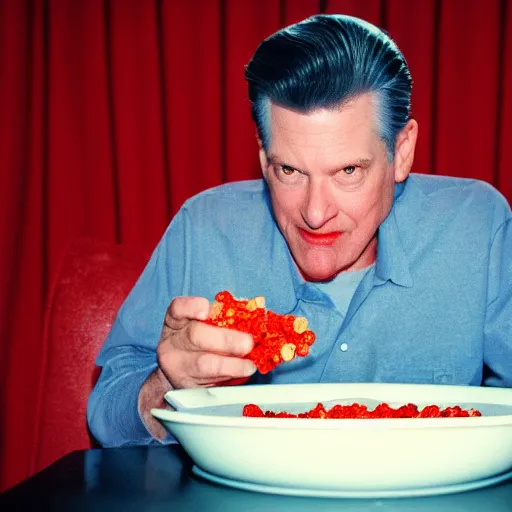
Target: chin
(317,267)
(316,275)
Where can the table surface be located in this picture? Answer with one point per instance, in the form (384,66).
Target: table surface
(160,478)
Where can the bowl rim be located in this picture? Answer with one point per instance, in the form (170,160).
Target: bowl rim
(189,418)
(186,401)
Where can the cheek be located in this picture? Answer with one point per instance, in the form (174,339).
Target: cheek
(384,198)
(369,207)
(286,205)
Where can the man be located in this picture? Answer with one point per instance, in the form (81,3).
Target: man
(403,278)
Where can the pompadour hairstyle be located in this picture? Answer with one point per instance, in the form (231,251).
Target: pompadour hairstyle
(325,61)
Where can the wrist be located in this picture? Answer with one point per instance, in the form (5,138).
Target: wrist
(151,396)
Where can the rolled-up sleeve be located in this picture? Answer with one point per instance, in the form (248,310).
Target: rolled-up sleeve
(129,354)
(112,411)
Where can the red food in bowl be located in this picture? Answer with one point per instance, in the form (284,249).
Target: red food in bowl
(357,411)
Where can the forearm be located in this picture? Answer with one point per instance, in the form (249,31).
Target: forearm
(113,412)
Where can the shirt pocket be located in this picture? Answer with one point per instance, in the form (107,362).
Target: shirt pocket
(411,375)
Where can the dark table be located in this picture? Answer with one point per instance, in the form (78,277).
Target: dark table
(159,478)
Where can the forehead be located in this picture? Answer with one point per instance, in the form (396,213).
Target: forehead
(354,120)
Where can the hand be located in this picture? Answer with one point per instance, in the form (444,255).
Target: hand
(193,354)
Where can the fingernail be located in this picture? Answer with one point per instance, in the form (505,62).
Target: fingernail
(246,346)
(249,369)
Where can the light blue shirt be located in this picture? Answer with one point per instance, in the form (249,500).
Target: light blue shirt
(435,308)
(341,289)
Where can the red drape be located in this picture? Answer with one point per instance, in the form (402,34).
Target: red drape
(113,112)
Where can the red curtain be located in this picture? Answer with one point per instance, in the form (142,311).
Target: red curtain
(113,112)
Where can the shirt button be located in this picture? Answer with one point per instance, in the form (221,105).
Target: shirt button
(344,347)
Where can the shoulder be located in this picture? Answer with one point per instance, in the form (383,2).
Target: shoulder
(231,208)
(455,188)
(433,184)
(448,212)
(448,194)
(232,195)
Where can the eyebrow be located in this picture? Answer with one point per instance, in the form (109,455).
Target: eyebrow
(360,162)
(273,160)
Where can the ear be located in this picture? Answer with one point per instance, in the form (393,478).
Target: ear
(404,150)
(263,159)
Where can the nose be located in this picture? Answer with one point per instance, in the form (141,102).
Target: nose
(319,207)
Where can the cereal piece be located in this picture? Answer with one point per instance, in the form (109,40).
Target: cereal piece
(287,352)
(216,309)
(257,302)
(302,349)
(300,325)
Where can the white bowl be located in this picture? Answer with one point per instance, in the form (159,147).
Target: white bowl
(343,455)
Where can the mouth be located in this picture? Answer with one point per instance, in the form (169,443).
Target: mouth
(323,239)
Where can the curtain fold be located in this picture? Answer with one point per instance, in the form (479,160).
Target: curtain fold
(114,112)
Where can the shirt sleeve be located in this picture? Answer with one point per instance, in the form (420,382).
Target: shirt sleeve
(112,410)
(498,325)
(129,354)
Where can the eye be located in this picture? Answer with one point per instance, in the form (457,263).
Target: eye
(287,170)
(350,169)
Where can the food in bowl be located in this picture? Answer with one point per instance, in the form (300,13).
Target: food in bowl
(357,411)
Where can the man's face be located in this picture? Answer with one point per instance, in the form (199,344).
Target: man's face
(331,184)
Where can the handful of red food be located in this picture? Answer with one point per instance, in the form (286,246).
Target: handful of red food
(357,411)
(277,338)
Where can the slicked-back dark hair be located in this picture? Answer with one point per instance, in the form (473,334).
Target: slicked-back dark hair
(325,61)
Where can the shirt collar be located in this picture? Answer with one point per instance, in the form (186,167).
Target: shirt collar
(392,264)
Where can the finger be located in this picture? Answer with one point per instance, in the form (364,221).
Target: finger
(209,338)
(211,367)
(184,309)
(223,381)
(234,382)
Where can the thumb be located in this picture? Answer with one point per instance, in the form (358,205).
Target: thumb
(184,309)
